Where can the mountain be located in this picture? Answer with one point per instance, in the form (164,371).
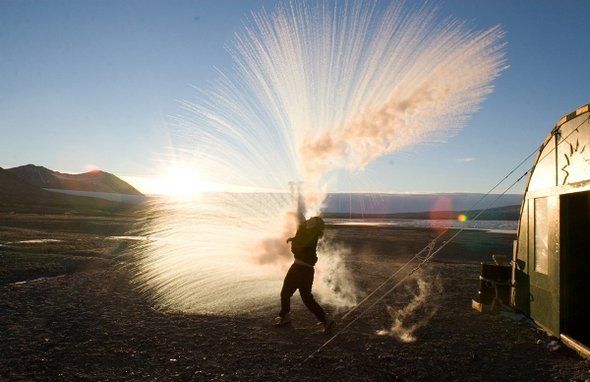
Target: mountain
(93,181)
(12,187)
(22,189)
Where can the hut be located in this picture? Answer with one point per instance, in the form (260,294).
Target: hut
(551,260)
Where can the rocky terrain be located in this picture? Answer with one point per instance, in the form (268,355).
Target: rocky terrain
(69,312)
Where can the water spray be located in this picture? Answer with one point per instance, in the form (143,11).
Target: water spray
(315,90)
(297,199)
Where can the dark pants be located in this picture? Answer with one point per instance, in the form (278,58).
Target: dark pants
(300,277)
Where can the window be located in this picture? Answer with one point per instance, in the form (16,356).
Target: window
(541,236)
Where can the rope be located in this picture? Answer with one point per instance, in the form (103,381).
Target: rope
(432,244)
(424,260)
(563,139)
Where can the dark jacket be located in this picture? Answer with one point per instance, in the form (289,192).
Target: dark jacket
(305,242)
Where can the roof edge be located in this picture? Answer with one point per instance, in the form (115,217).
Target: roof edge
(568,117)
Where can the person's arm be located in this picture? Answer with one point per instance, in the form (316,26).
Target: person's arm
(297,234)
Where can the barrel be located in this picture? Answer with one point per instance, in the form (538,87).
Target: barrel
(494,280)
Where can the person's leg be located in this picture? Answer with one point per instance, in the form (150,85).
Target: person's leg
(306,282)
(289,287)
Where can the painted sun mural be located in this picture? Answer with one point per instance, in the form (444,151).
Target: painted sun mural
(577,166)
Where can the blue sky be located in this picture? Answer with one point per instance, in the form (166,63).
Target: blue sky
(95,83)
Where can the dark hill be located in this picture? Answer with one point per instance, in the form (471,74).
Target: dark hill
(12,187)
(17,195)
(94,181)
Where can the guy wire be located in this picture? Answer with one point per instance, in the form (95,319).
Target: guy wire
(432,244)
(396,285)
(429,256)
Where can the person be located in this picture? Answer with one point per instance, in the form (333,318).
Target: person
(300,274)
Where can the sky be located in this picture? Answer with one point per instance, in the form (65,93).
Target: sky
(96,84)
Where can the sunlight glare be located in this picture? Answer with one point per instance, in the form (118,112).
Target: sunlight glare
(183,182)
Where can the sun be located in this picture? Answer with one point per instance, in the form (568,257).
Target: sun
(181,181)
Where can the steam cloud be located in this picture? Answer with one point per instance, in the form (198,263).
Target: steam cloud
(314,89)
(319,89)
(434,91)
(417,313)
(335,284)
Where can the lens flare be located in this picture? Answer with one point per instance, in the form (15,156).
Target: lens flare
(315,91)
(91,168)
(441,211)
(462,218)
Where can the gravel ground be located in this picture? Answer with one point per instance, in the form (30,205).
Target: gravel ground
(69,313)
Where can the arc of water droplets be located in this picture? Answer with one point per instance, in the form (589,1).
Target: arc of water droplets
(315,90)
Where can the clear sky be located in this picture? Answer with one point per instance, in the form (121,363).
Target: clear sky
(87,84)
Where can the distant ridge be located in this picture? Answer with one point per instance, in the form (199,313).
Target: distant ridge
(23,189)
(382,204)
(498,213)
(93,181)
(12,187)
